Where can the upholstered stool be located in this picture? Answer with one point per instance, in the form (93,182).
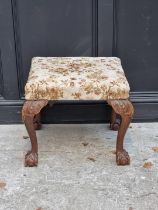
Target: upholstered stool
(77,78)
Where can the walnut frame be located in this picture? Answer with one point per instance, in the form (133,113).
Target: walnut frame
(122,113)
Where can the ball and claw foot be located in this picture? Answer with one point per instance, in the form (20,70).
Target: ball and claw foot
(37,126)
(115,126)
(122,158)
(31,159)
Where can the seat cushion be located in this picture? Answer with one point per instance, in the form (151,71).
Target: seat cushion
(76,78)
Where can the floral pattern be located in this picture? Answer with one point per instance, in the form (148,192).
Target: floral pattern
(76,78)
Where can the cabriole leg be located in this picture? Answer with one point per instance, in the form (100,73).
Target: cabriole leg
(125,109)
(30,114)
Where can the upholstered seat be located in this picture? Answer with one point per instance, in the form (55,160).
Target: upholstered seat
(76,78)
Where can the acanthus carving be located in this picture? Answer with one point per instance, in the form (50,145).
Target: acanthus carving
(122,107)
(32,108)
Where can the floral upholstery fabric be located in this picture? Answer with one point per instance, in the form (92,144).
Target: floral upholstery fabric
(76,78)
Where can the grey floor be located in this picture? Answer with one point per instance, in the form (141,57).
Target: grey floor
(77,169)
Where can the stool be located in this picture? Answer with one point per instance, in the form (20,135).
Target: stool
(77,78)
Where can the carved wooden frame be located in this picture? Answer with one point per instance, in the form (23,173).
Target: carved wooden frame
(122,113)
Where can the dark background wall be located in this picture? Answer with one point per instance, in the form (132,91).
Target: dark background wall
(124,28)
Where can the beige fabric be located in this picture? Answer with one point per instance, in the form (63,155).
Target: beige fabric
(76,78)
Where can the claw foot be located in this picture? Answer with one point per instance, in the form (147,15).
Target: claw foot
(122,158)
(31,159)
(37,126)
(115,126)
